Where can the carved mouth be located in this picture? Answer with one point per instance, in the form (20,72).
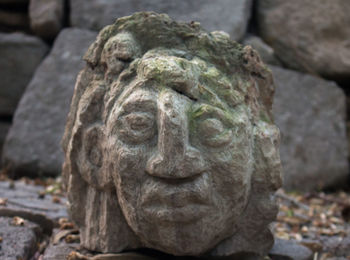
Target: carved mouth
(176,202)
(183,214)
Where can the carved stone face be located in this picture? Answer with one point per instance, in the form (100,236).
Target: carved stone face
(170,143)
(181,167)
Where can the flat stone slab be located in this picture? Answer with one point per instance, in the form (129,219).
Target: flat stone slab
(289,250)
(18,242)
(23,200)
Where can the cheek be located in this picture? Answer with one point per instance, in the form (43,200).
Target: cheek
(127,164)
(231,169)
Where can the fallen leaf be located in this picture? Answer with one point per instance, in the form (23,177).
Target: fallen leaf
(62,234)
(3,201)
(77,256)
(67,225)
(17,221)
(72,238)
(56,199)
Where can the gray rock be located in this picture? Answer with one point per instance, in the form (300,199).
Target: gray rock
(4,127)
(310,113)
(311,36)
(230,16)
(46,17)
(267,54)
(336,245)
(23,200)
(18,242)
(170,143)
(59,251)
(20,56)
(32,147)
(289,250)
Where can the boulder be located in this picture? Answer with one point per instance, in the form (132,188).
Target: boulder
(32,147)
(226,15)
(20,56)
(310,113)
(18,241)
(311,36)
(267,54)
(46,17)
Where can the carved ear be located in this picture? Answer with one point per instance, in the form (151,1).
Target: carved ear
(268,167)
(90,157)
(88,139)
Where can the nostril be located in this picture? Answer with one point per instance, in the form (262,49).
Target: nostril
(186,166)
(156,166)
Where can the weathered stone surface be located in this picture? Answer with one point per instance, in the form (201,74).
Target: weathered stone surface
(226,15)
(23,200)
(18,242)
(46,17)
(32,146)
(310,36)
(267,54)
(169,142)
(310,113)
(63,251)
(289,250)
(20,55)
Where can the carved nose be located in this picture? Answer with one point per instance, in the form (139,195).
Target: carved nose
(175,157)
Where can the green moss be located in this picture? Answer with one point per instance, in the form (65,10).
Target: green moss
(265,117)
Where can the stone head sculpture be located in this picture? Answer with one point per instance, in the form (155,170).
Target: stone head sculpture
(170,144)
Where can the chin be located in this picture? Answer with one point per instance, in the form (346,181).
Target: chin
(184,237)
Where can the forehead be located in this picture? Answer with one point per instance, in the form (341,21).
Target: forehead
(148,99)
(192,78)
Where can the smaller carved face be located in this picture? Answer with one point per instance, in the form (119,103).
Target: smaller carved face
(181,163)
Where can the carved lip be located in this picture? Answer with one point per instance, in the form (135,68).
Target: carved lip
(183,214)
(176,202)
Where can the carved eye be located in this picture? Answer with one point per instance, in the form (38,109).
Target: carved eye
(136,127)
(213,133)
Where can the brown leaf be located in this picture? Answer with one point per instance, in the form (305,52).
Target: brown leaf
(3,201)
(17,221)
(77,256)
(72,239)
(67,225)
(56,199)
(60,235)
